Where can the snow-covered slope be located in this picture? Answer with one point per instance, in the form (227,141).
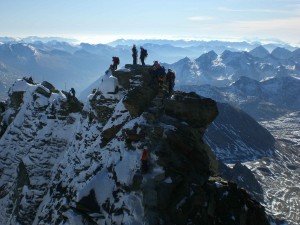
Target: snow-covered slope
(33,141)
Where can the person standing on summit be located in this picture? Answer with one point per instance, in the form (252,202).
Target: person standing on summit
(134,54)
(116,62)
(143,55)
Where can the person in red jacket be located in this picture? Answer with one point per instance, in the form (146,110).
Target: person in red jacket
(144,160)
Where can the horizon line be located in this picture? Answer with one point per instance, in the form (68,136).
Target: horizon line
(78,39)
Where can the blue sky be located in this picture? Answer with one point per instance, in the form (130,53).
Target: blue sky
(99,21)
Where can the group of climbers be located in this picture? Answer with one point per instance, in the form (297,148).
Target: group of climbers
(143,56)
(163,77)
(109,85)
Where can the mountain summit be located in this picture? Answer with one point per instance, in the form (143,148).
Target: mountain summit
(63,162)
(259,52)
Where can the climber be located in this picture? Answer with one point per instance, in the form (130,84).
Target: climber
(144,160)
(72,92)
(134,54)
(29,80)
(116,62)
(170,78)
(143,55)
(159,72)
(155,65)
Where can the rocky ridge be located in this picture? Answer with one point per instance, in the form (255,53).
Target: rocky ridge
(65,163)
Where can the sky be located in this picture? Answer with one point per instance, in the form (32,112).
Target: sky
(102,21)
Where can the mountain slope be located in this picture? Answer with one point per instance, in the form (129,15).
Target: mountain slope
(271,102)
(93,176)
(236,137)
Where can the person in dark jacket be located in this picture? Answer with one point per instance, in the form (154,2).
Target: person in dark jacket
(134,54)
(72,92)
(170,78)
(159,72)
(116,62)
(143,55)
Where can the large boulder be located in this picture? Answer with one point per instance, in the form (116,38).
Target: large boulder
(196,111)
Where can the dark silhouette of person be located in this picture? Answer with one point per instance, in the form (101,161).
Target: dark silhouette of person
(116,62)
(170,78)
(159,72)
(143,55)
(134,54)
(72,92)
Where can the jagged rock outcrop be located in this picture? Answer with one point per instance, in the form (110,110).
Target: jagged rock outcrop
(83,166)
(196,111)
(142,88)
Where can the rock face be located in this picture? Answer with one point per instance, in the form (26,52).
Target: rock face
(64,164)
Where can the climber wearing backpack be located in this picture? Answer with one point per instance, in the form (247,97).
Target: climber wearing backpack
(116,62)
(134,54)
(170,78)
(143,55)
(159,72)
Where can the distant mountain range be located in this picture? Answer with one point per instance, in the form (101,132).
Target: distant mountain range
(68,65)
(263,100)
(32,39)
(214,44)
(221,70)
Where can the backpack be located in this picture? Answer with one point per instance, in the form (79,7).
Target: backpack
(171,75)
(116,60)
(144,52)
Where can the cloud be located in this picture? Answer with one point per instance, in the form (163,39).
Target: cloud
(224,9)
(200,18)
(290,8)
(285,29)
